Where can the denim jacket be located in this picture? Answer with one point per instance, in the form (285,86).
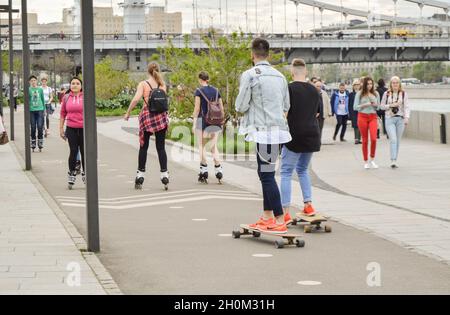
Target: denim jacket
(263,99)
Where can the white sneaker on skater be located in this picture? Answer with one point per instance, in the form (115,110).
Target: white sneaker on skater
(367,166)
(373,165)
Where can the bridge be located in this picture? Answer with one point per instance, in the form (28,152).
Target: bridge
(311,48)
(315,47)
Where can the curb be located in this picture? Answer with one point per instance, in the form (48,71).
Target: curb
(101,273)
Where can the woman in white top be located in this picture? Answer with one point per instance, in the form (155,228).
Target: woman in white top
(395,103)
(48,97)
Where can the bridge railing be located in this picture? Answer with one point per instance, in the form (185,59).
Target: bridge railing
(180,37)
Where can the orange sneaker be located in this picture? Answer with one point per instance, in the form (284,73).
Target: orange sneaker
(309,211)
(287,218)
(274,228)
(262,222)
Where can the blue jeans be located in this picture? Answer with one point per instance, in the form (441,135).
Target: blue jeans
(37,121)
(395,126)
(267,156)
(300,162)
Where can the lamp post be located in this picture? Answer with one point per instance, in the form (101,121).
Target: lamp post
(26,84)
(90,125)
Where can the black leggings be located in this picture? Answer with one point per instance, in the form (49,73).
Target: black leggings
(160,148)
(76,143)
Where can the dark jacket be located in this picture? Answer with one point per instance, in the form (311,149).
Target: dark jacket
(352,112)
(381,91)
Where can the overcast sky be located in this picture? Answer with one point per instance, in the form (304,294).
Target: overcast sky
(51,11)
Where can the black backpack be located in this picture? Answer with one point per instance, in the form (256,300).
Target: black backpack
(158,101)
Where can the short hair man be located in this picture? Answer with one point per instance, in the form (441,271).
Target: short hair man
(264,100)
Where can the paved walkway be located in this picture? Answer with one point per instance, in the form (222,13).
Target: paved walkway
(409,206)
(179,242)
(37,254)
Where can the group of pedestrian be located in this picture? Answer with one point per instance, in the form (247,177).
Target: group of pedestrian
(372,111)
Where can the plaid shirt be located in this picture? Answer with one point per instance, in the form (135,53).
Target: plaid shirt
(151,122)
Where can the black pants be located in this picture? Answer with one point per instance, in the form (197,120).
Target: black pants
(160,148)
(75,137)
(341,122)
(267,155)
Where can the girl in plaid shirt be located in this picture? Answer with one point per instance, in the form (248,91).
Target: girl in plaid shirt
(150,124)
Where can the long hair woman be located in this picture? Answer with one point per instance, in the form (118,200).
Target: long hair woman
(151,123)
(72,108)
(396,104)
(367,102)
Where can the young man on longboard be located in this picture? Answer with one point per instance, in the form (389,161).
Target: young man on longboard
(264,100)
(305,131)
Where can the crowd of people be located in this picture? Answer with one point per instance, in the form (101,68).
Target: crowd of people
(284,120)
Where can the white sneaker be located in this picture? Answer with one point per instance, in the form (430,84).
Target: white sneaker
(394,165)
(367,166)
(373,165)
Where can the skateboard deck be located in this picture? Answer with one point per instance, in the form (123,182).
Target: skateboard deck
(311,223)
(292,239)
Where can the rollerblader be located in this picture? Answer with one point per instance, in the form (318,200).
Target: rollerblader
(264,100)
(153,120)
(37,108)
(72,115)
(48,98)
(209,116)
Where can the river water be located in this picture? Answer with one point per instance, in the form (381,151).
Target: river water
(430,105)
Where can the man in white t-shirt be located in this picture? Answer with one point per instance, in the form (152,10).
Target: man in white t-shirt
(48,97)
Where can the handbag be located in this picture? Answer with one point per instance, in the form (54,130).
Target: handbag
(4,138)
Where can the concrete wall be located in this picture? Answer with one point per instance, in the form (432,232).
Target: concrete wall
(428,91)
(427,126)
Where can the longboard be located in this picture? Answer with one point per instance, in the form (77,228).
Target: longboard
(292,239)
(312,223)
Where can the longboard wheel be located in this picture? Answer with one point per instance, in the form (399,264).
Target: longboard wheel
(294,222)
(307,229)
(279,244)
(256,234)
(166,187)
(300,243)
(328,229)
(236,234)
(138,187)
(70,187)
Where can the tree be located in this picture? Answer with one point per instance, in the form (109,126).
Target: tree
(331,73)
(109,82)
(429,71)
(380,73)
(17,66)
(225,59)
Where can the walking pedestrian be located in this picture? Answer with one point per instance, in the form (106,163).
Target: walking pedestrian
(208,120)
(381,89)
(37,108)
(396,104)
(367,102)
(48,98)
(153,120)
(72,109)
(264,100)
(304,127)
(339,105)
(353,112)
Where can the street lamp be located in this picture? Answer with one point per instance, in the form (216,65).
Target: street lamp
(90,125)
(8,8)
